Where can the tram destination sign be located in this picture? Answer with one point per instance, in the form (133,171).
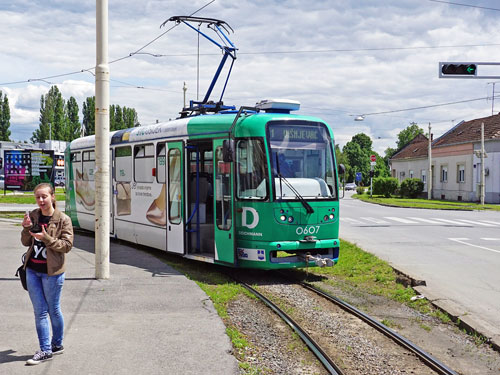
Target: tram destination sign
(470,70)
(295,133)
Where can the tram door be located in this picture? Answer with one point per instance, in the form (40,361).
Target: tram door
(175,200)
(224,209)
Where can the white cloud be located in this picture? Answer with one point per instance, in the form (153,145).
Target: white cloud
(58,36)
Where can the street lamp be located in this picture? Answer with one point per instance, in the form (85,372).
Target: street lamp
(359,118)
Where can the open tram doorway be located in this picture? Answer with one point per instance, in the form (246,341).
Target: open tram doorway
(200,201)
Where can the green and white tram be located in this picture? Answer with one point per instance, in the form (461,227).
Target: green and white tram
(252,189)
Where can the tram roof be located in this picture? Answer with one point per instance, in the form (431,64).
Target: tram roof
(197,127)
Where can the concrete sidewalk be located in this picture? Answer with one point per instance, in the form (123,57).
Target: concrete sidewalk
(147,319)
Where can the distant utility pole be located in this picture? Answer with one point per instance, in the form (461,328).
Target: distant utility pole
(102,192)
(184,88)
(429,177)
(493,99)
(482,163)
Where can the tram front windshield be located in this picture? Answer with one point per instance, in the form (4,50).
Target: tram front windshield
(302,161)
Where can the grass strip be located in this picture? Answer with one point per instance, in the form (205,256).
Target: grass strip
(358,270)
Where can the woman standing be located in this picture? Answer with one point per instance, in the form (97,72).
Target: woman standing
(49,234)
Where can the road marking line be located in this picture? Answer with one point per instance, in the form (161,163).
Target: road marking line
(375,220)
(424,220)
(491,239)
(491,222)
(452,222)
(401,220)
(462,241)
(352,221)
(477,222)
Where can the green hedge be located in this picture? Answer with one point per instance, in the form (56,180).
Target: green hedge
(411,188)
(385,186)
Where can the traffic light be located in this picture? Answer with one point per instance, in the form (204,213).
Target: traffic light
(372,173)
(459,69)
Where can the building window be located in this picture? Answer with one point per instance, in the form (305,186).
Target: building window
(424,176)
(401,176)
(411,173)
(460,173)
(444,174)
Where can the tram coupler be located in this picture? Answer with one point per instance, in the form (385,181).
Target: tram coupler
(318,259)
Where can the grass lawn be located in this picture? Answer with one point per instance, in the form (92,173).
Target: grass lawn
(26,197)
(424,203)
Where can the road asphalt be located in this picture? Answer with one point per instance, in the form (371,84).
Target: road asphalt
(454,252)
(146,319)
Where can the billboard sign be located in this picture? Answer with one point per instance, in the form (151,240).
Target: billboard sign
(24,169)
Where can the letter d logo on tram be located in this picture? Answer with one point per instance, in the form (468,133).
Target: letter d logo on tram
(255,217)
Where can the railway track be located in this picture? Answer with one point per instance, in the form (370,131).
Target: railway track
(322,353)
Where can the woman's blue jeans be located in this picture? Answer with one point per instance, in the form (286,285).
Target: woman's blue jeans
(45,295)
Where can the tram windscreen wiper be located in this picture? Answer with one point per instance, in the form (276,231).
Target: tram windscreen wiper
(306,205)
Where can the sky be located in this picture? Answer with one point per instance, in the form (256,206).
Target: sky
(339,59)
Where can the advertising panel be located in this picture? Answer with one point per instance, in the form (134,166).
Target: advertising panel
(24,169)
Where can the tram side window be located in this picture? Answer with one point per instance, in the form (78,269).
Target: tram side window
(76,164)
(223,191)
(88,172)
(251,169)
(174,186)
(160,162)
(123,164)
(144,162)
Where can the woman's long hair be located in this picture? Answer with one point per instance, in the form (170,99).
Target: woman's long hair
(51,190)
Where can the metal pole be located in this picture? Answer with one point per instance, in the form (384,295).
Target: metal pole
(429,177)
(50,134)
(184,89)
(482,163)
(102,210)
(493,99)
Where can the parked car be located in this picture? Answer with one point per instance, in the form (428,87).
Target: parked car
(2,181)
(350,186)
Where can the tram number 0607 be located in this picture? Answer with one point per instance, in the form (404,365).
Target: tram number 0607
(307,230)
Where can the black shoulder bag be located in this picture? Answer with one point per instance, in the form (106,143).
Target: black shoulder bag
(21,273)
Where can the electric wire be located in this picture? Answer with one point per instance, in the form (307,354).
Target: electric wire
(111,62)
(464,5)
(424,107)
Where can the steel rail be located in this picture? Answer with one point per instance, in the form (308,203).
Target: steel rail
(325,360)
(428,359)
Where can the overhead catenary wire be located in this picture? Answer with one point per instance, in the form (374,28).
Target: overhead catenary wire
(111,62)
(464,5)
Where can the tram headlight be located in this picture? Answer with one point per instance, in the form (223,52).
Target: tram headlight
(332,216)
(283,217)
(290,219)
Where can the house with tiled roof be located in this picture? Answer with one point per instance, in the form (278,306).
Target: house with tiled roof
(456,162)
(456,157)
(412,160)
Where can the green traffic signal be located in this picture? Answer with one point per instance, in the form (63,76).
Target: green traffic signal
(459,69)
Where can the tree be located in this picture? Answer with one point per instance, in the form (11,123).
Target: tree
(357,152)
(363,141)
(130,118)
(405,136)
(52,119)
(119,118)
(73,127)
(89,115)
(4,118)
(389,153)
